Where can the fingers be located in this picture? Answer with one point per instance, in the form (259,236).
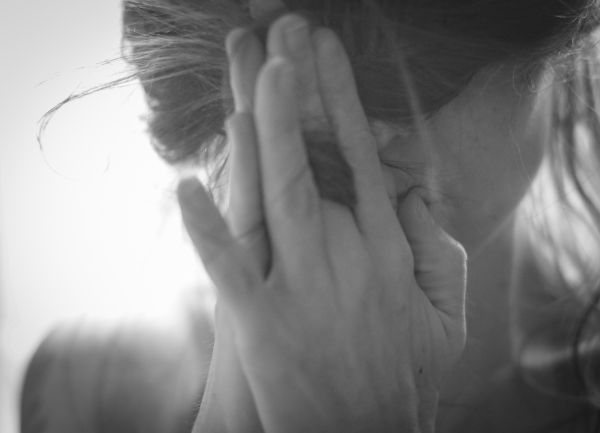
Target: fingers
(245,211)
(439,261)
(344,110)
(374,212)
(290,37)
(287,196)
(291,201)
(246,57)
(220,253)
(245,214)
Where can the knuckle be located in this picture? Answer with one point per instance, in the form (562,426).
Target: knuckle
(285,130)
(213,251)
(297,196)
(238,121)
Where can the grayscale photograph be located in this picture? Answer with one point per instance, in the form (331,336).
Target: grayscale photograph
(300,216)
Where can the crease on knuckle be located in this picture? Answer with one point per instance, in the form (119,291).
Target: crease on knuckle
(214,250)
(297,191)
(250,233)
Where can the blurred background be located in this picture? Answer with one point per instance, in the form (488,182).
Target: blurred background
(88,224)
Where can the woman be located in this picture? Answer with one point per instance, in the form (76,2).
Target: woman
(363,164)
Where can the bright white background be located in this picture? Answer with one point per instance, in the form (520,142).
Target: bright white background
(82,241)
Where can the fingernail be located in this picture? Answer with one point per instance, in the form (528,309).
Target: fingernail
(235,40)
(283,76)
(296,34)
(326,42)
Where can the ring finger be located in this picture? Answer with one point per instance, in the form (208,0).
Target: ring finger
(245,214)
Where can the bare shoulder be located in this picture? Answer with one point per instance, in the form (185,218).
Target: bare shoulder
(131,375)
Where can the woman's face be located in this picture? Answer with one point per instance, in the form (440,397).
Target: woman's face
(477,157)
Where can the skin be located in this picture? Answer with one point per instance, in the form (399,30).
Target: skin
(475,162)
(368,265)
(476,158)
(487,146)
(471,168)
(482,153)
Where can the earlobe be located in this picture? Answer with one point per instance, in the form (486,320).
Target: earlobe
(260,8)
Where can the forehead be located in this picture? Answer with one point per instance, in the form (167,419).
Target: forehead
(494,102)
(495,106)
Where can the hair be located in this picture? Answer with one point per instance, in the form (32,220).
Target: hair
(424,51)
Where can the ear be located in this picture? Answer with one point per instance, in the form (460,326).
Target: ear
(260,8)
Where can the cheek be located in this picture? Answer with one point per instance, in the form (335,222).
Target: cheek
(494,152)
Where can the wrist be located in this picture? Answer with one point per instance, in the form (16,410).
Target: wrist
(210,416)
(227,404)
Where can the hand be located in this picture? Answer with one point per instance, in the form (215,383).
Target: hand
(358,316)
(228,405)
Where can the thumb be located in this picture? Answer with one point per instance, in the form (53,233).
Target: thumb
(439,260)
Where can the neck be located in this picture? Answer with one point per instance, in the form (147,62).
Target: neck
(488,345)
(489,280)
